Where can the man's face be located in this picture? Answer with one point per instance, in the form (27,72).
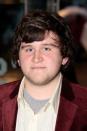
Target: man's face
(40,61)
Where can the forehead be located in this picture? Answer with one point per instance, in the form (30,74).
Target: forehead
(49,35)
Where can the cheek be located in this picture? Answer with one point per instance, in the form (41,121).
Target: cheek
(55,58)
(54,62)
(23,61)
(23,57)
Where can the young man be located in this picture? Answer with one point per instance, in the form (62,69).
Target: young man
(43,100)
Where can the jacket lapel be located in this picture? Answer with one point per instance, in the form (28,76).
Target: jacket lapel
(66,114)
(67,108)
(9,113)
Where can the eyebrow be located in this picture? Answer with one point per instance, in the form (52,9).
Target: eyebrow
(44,44)
(50,44)
(25,45)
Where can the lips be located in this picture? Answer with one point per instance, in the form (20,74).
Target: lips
(38,67)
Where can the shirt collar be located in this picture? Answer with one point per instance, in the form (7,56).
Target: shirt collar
(20,93)
(54,100)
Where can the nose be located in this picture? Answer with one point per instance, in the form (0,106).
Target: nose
(37,57)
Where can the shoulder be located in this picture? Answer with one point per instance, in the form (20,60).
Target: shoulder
(80,100)
(75,93)
(8,88)
(79,91)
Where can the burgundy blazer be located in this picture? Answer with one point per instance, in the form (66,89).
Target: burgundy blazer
(72,115)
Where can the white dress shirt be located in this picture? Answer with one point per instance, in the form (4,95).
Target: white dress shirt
(45,119)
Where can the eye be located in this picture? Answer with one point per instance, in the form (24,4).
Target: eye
(47,49)
(30,49)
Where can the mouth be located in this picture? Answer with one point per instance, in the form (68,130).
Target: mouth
(38,68)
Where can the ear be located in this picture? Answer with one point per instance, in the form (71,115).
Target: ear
(65,60)
(18,62)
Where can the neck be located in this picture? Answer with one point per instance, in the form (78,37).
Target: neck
(41,92)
